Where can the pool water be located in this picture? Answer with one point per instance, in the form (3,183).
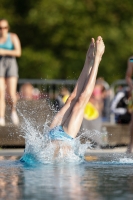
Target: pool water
(40,175)
(99,177)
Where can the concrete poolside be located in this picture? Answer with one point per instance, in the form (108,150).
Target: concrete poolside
(11,152)
(91,155)
(117,135)
(37,111)
(19,151)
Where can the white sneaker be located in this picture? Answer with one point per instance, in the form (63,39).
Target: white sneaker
(2,121)
(14,118)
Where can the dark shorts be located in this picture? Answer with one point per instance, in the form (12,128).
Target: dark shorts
(58,133)
(8,67)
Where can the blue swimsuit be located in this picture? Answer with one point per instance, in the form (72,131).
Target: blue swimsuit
(8,64)
(7,44)
(58,133)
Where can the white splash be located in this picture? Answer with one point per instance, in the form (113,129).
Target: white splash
(40,149)
(126,160)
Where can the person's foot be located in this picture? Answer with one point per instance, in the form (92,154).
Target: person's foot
(91,50)
(99,47)
(14,118)
(2,121)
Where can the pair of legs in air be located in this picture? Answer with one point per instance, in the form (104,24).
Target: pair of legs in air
(71,115)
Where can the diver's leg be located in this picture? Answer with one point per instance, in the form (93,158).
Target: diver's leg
(66,110)
(72,124)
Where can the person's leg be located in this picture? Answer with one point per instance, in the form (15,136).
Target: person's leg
(130,146)
(2,101)
(11,83)
(66,110)
(72,124)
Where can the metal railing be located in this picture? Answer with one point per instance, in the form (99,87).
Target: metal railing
(48,87)
(54,85)
(121,82)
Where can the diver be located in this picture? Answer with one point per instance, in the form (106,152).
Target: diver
(68,120)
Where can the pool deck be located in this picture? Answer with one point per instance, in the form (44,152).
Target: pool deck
(117,134)
(10,135)
(19,152)
(11,152)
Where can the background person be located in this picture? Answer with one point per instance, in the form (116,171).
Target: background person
(61,98)
(28,92)
(119,106)
(106,96)
(129,74)
(10,48)
(92,115)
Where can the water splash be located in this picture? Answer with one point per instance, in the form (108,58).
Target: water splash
(40,149)
(126,160)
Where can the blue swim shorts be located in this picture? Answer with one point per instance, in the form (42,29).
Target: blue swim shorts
(58,133)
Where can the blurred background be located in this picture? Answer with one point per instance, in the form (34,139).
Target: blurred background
(55,35)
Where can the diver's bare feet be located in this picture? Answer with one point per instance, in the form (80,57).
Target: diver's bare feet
(99,47)
(91,50)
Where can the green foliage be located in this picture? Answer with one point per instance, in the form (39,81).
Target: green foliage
(55,35)
(37,62)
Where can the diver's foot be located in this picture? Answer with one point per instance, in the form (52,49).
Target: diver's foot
(14,118)
(91,50)
(2,121)
(99,47)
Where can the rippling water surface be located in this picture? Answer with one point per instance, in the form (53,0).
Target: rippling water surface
(41,174)
(102,177)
